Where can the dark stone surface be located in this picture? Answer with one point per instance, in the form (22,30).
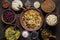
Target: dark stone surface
(55,30)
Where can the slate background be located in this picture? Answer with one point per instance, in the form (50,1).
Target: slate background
(55,30)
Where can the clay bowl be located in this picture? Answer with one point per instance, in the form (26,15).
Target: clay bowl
(4,20)
(25,27)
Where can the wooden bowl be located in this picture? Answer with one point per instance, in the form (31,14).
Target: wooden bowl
(5,4)
(25,27)
(47,16)
(48,6)
(5,21)
(13,26)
